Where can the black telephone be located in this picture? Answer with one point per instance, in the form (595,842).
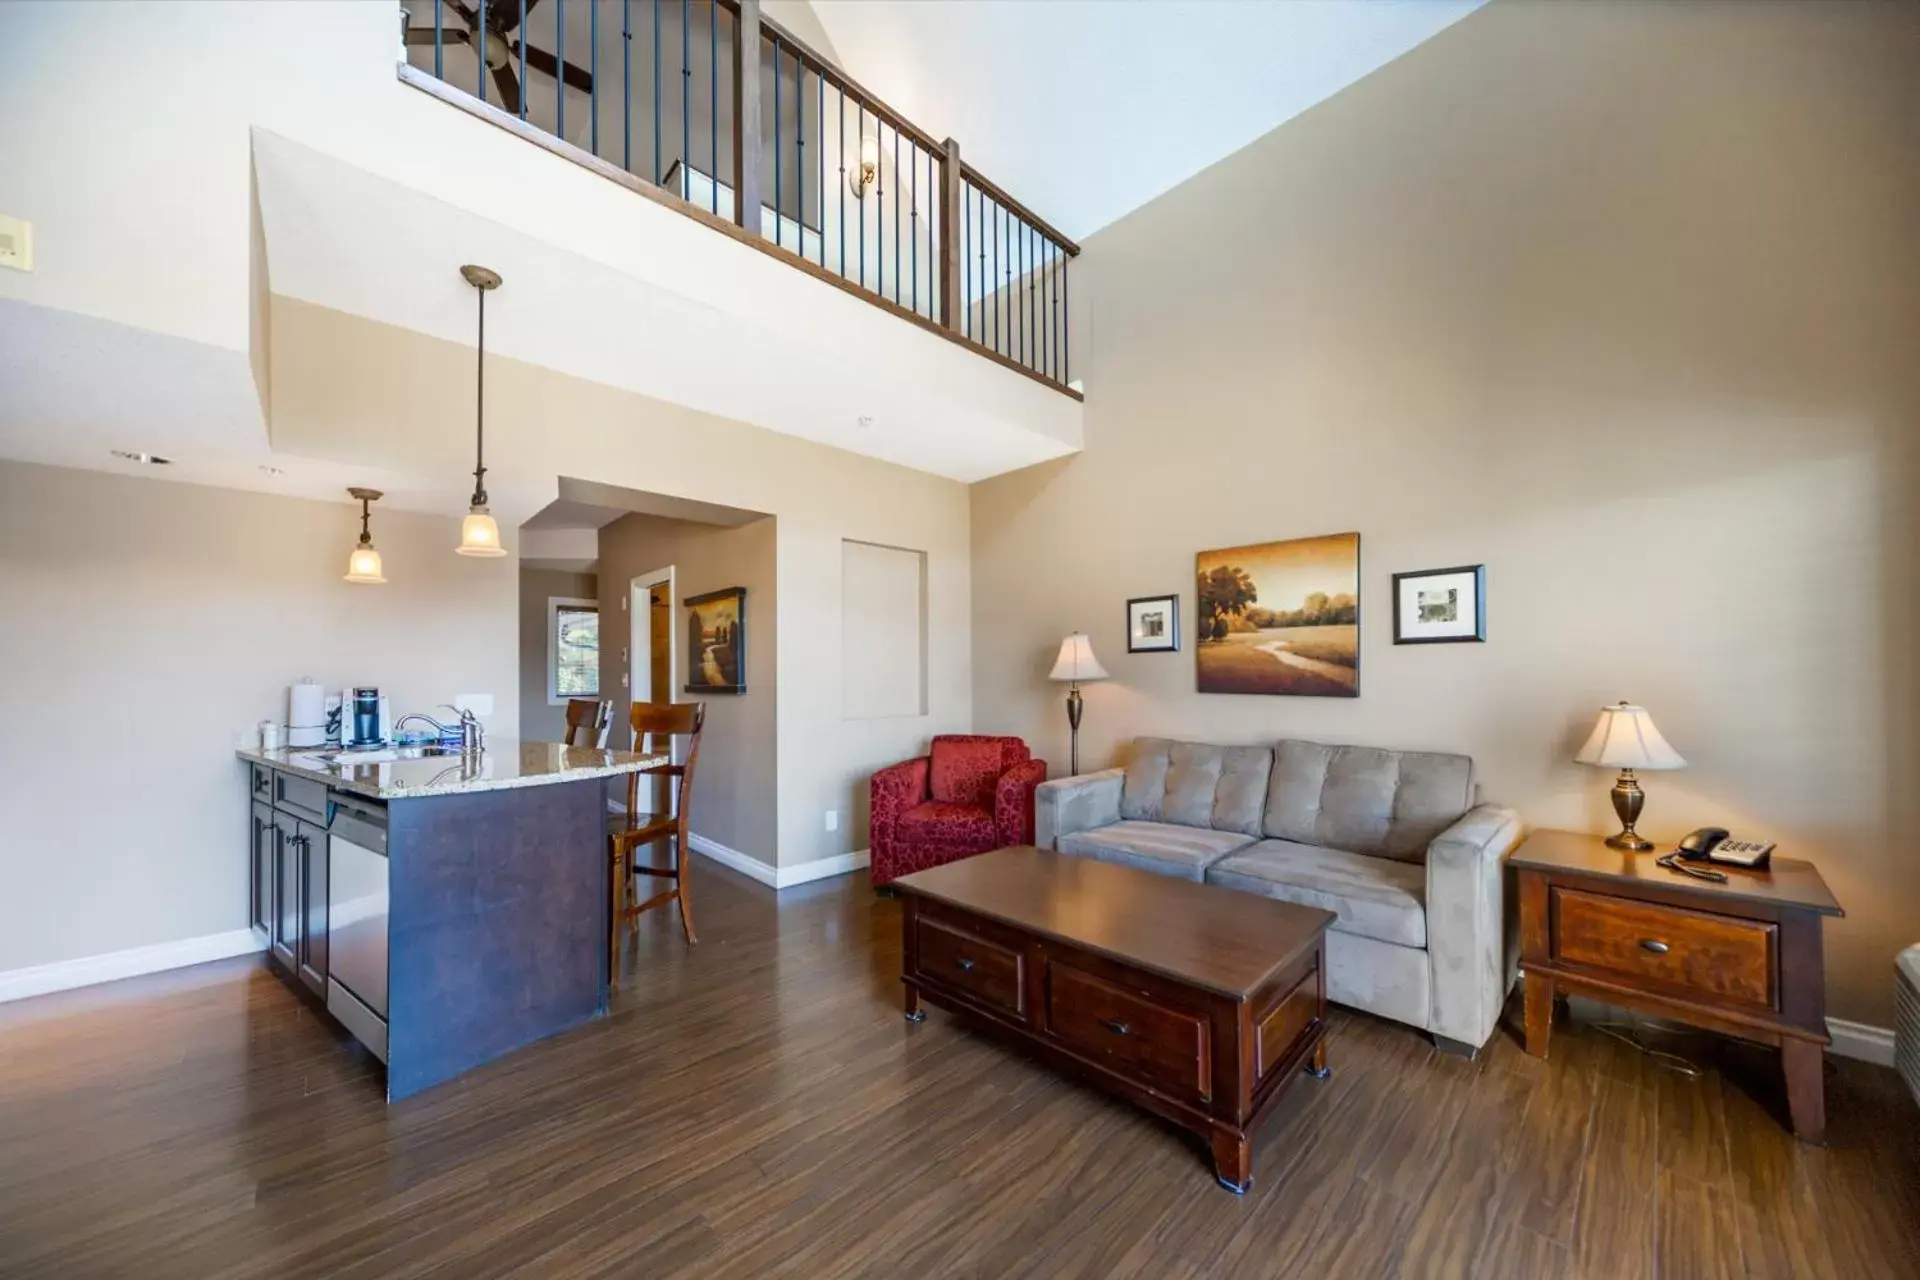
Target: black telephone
(1713,844)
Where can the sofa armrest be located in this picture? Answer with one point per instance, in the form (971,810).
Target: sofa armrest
(1081,803)
(1470,946)
(1013,801)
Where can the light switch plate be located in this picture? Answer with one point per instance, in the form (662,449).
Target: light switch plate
(16,243)
(833,819)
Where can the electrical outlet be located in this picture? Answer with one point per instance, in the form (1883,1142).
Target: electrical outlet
(833,819)
(16,243)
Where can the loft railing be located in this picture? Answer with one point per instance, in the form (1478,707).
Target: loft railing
(658,94)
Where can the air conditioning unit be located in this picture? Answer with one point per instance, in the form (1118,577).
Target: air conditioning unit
(1906,1019)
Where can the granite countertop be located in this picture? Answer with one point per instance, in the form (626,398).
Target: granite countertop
(506,762)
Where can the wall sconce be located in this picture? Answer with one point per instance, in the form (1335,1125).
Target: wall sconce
(867,173)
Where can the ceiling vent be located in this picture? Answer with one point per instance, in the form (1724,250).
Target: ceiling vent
(16,243)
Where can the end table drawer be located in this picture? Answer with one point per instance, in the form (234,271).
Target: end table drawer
(987,971)
(1148,1041)
(1722,956)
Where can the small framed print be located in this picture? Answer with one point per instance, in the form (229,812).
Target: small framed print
(1440,606)
(1153,624)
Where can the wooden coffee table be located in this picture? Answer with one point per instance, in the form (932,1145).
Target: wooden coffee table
(1197,1003)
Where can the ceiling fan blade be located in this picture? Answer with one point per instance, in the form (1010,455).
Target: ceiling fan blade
(448,35)
(509,89)
(546,64)
(467,15)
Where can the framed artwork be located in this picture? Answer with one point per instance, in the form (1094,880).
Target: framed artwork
(717,641)
(1280,618)
(1153,624)
(1440,606)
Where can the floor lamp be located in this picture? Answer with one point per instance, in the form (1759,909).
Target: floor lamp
(1076,663)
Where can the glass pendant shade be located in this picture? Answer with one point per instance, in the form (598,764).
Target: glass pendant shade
(480,535)
(364,565)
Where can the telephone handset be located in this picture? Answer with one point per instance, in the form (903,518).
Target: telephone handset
(1714,844)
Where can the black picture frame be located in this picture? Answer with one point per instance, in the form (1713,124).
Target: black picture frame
(1479,574)
(1172,602)
(730,656)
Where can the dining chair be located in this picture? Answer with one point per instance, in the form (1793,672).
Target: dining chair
(655,725)
(589,721)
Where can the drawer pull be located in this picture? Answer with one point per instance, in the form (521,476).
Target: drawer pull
(964,965)
(1654,945)
(1116,1026)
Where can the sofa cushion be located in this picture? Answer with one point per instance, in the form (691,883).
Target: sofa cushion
(1197,784)
(1162,848)
(1364,799)
(1379,898)
(966,766)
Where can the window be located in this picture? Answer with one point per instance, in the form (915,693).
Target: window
(573,649)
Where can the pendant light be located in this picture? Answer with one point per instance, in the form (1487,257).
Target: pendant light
(364,564)
(479,534)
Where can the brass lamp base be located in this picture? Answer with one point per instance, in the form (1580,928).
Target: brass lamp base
(1628,799)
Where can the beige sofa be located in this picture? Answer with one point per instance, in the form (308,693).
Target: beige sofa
(1392,842)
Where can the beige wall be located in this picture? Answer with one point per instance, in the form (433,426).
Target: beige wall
(540,722)
(736,789)
(143,625)
(1621,300)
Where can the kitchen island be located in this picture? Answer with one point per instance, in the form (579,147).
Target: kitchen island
(446,908)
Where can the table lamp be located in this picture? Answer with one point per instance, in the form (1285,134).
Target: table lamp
(1625,739)
(1076,663)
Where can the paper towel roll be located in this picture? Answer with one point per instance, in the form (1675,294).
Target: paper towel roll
(306,714)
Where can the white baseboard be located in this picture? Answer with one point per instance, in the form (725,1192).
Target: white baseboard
(18,984)
(1858,1040)
(777,877)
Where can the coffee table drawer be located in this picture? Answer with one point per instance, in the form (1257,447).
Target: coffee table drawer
(1696,951)
(967,962)
(1140,1037)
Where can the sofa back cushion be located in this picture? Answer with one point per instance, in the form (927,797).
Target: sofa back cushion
(1196,784)
(1365,799)
(966,766)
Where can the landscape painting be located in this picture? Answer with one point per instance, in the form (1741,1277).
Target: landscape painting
(1281,618)
(717,641)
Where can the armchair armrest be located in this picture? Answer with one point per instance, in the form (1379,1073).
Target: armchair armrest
(1013,801)
(1082,803)
(894,790)
(1470,948)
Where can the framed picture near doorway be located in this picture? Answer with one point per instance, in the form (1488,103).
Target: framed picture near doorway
(1440,606)
(717,641)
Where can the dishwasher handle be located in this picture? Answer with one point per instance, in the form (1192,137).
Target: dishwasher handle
(365,825)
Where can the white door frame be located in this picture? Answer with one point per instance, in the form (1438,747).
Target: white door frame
(640,642)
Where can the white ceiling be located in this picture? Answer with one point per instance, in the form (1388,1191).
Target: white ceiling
(1084,110)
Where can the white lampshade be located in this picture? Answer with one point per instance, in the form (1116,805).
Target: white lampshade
(1076,661)
(364,565)
(1624,738)
(479,535)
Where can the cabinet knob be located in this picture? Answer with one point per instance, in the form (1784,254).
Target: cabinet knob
(1116,1026)
(1654,945)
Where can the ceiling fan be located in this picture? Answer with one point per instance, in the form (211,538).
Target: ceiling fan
(501,50)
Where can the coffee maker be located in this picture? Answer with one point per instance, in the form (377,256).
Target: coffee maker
(364,718)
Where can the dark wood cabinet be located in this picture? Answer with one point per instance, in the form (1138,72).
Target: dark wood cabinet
(289,877)
(287,924)
(313,916)
(260,871)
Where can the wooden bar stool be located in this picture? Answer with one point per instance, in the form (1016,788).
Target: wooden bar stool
(659,722)
(588,722)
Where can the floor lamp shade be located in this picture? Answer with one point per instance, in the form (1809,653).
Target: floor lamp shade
(1076,663)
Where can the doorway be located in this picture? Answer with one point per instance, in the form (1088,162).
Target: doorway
(651,660)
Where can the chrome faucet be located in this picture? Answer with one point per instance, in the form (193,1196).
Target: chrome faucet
(472,737)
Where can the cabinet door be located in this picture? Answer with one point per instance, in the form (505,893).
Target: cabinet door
(261,860)
(313,879)
(286,893)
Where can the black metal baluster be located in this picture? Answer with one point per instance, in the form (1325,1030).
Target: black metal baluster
(800,154)
(1066,327)
(439,72)
(913,228)
(686,102)
(593,74)
(776,140)
(626,85)
(879,209)
(1027,333)
(655,176)
(713,106)
(559,73)
(820,145)
(842,265)
(524,95)
(966,273)
(860,142)
(478,42)
(896,215)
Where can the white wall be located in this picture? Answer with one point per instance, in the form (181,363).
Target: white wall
(539,721)
(144,625)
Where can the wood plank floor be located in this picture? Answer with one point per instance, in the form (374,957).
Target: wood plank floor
(758,1107)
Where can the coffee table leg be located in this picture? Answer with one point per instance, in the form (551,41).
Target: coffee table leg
(914,1012)
(1232,1163)
(1317,1067)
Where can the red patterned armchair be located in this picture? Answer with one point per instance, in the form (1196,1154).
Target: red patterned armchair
(972,793)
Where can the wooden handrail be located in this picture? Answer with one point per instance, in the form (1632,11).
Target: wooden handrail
(1026,215)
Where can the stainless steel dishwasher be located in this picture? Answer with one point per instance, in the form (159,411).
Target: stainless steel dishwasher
(357,918)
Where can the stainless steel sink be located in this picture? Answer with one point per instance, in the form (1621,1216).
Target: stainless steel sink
(377,755)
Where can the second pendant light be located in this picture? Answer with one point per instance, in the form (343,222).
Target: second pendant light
(479,533)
